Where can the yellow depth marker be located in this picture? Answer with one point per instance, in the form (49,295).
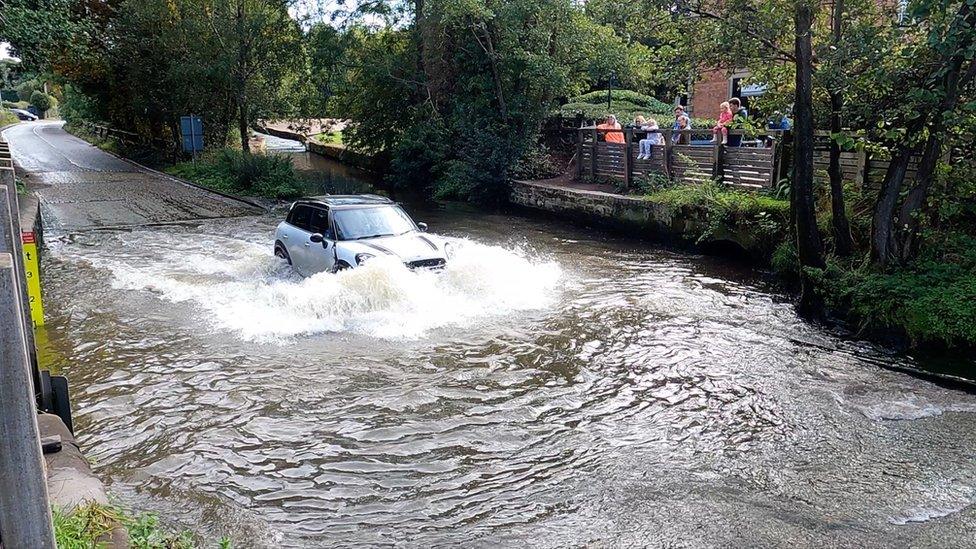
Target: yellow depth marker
(33,275)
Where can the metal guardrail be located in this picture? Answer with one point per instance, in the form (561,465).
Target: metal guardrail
(25,512)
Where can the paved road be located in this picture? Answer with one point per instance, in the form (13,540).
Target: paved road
(81,187)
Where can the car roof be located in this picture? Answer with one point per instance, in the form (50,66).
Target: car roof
(333,200)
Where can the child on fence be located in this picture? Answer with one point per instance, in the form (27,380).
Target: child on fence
(653,138)
(724,119)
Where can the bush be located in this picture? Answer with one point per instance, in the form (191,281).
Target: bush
(42,101)
(645,102)
(624,104)
(7,117)
(230,171)
(536,163)
(27,88)
(931,300)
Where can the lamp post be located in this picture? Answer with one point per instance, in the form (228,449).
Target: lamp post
(610,80)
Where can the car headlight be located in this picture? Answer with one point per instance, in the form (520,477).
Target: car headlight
(363,258)
(449,251)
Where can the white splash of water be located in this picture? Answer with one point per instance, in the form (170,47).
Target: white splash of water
(245,289)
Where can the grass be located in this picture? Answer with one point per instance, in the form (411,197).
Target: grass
(90,527)
(727,210)
(329,138)
(7,118)
(231,172)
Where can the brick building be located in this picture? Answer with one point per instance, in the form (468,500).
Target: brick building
(717,85)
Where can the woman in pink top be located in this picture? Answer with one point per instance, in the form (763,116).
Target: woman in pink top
(724,119)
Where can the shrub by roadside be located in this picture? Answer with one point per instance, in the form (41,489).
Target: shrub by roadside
(7,117)
(230,171)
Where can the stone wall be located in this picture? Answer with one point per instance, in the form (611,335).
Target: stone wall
(634,214)
(638,217)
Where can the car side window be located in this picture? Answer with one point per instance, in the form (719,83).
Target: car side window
(320,222)
(300,216)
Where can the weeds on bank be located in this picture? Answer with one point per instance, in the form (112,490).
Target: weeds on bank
(89,527)
(232,172)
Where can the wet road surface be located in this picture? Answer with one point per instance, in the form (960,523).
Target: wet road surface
(81,187)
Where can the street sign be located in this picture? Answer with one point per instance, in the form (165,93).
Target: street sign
(191,128)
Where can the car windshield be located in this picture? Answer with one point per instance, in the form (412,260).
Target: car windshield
(354,224)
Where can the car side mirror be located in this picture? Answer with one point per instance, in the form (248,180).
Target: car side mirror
(316,238)
(423,227)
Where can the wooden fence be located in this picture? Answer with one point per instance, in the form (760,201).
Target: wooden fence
(684,155)
(864,169)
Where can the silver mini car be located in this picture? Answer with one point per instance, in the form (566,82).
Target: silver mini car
(336,232)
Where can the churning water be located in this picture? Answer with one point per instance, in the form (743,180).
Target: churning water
(554,387)
(242,288)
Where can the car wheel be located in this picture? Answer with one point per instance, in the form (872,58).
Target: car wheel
(341,266)
(281,252)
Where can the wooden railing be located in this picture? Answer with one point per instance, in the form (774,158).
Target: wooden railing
(684,155)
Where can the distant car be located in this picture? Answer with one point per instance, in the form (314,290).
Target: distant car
(24,115)
(336,232)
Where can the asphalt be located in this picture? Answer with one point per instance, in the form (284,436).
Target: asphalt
(81,187)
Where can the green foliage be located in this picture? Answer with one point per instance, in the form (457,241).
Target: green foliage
(42,101)
(625,104)
(229,171)
(27,88)
(7,117)
(536,163)
(90,526)
(930,300)
(645,101)
(329,138)
(16,104)
(726,209)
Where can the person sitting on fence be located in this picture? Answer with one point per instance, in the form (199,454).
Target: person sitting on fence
(740,120)
(606,128)
(724,119)
(653,138)
(681,122)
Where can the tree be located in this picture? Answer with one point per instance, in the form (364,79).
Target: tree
(933,73)
(808,244)
(42,101)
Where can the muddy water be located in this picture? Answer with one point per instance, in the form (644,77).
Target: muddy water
(554,387)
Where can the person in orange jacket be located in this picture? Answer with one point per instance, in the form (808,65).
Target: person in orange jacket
(607,127)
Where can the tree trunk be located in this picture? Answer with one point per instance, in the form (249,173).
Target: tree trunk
(242,125)
(808,244)
(843,243)
(884,247)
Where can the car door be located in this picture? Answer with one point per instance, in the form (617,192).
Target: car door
(296,234)
(320,256)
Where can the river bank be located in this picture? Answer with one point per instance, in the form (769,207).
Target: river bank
(928,309)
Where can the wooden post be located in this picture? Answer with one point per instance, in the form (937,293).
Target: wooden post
(579,153)
(25,512)
(718,161)
(668,161)
(593,156)
(860,177)
(628,167)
